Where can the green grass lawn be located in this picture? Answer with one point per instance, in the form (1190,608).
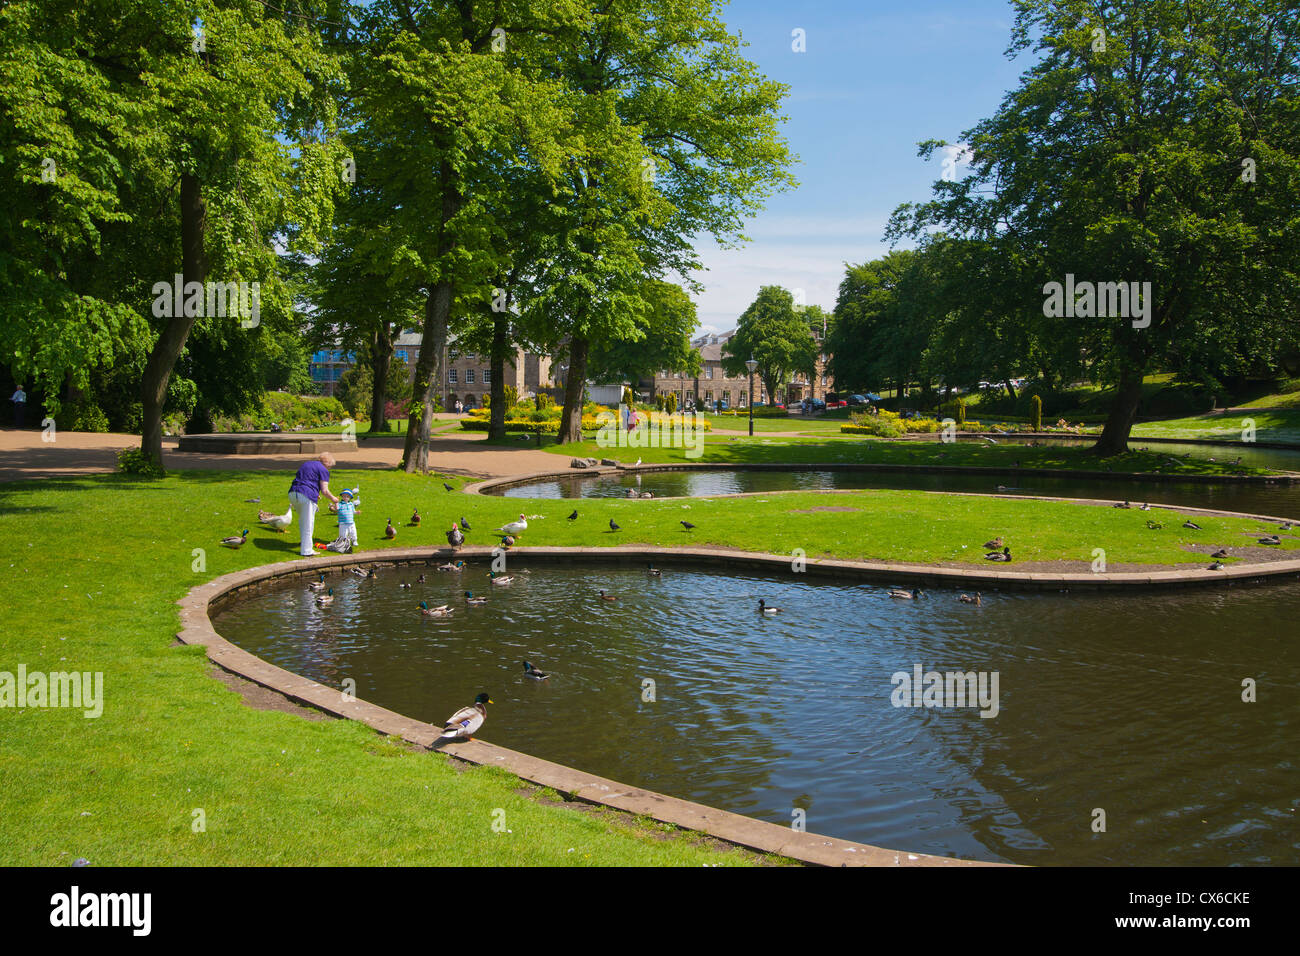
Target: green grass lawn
(1272,423)
(722,449)
(809,425)
(96,564)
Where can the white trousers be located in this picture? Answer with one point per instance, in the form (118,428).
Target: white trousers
(305,509)
(346,541)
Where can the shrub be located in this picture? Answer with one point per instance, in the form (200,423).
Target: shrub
(1038,413)
(133,461)
(84,416)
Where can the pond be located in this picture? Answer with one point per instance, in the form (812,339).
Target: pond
(1132,704)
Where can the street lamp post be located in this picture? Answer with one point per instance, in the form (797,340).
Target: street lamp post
(751,365)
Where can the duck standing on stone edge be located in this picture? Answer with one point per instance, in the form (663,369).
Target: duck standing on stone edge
(467,720)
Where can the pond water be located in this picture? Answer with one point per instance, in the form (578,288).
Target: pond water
(1130,704)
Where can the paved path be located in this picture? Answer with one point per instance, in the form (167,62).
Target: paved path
(24,456)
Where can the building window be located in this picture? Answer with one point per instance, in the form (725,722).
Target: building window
(487,376)
(469,376)
(401,354)
(451,376)
(708,371)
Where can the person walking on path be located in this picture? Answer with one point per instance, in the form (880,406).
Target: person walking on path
(311,481)
(20,407)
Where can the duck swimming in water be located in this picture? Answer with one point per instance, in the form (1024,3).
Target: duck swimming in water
(765,608)
(904,594)
(442,610)
(473,601)
(968,599)
(533,672)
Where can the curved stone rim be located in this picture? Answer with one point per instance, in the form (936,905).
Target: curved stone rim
(509,481)
(733,828)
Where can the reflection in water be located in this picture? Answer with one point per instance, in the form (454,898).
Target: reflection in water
(1132,704)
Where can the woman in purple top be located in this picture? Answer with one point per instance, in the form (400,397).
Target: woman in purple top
(312,481)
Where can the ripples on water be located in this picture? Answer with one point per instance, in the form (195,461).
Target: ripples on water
(1131,704)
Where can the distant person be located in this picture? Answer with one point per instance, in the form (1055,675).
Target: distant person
(311,481)
(20,407)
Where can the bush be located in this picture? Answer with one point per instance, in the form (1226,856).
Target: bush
(133,461)
(287,410)
(84,416)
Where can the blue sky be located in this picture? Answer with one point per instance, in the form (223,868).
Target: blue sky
(877,78)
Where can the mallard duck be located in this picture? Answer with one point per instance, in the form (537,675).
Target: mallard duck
(1154,525)
(455,537)
(1221,553)
(904,594)
(318,585)
(1271,540)
(236,540)
(500,579)
(969,599)
(448,566)
(325,599)
(632,493)
(1121,504)
(765,608)
(653,571)
(405,585)
(1191,525)
(608,597)
(362,572)
(533,672)
(994,544)
(420,579)
(506,541)
(1003,555)
(415,517)
(390,532)
(514,527)
(276,522)
(442,610)
(467,720)
(1216,566)
(473,601)
(1144,507)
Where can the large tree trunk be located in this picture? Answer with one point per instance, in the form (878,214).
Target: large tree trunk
(500,342)
(1011,389)
(574,389)
(429,375)
(1123,412)
(162,359)
(428,378)
(381,352)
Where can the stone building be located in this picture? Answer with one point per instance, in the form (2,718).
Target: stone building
(714,385)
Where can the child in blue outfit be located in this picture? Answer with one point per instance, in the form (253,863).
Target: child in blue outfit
(347,509)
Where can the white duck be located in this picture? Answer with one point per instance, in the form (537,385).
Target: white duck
(276,522)
(515,527)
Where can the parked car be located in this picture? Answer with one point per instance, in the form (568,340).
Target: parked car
(858,400)
(816,405)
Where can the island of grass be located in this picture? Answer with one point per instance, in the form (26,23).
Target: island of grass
(97,564)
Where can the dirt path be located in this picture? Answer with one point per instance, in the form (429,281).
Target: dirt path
(23,456)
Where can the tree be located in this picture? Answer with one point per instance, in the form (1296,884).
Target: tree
(1151,143)
(678,138)
(662,331)
(775,336)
